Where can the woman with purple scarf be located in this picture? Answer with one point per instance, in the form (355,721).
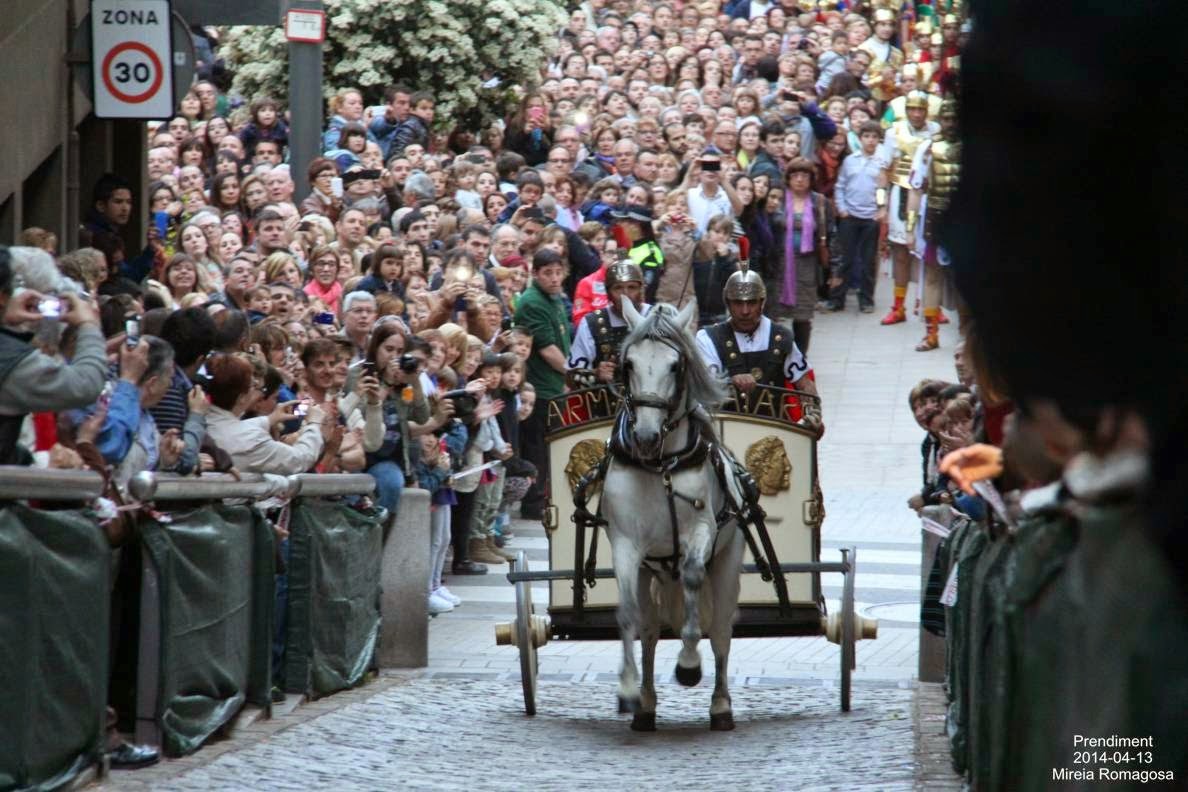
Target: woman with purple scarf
(809,240)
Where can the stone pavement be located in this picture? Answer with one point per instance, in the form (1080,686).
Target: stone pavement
(460,723)
(410,732)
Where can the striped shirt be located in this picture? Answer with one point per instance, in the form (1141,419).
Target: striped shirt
(173,409)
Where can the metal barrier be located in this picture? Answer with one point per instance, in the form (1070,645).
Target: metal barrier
(238,546)
(54,618)
(209,489)
(25,483)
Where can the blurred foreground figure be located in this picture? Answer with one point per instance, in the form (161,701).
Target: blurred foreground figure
(1071,266)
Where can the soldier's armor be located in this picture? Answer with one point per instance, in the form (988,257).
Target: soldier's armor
(906,143)
(607,338)
(944,172)
(767,366)
(874,74)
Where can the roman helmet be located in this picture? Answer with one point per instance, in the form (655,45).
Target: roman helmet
(745,284)
(916,99)
(623,271)
(884,15)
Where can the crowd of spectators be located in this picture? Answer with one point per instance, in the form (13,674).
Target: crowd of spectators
(411,314)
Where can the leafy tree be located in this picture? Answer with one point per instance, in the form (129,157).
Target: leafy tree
(450,47)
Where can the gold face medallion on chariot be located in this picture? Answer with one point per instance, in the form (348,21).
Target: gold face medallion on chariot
(767,460)
(583,457)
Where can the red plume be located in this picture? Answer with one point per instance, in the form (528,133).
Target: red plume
(620,237)
(744,248)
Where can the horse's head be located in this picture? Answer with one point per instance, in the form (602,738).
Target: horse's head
(654,377)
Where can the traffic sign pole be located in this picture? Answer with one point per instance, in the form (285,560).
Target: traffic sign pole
(305,88)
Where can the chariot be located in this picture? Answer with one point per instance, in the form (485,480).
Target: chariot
(765,431)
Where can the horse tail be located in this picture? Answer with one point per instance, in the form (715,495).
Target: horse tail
(668,598)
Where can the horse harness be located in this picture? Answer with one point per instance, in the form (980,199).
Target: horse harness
(698,448)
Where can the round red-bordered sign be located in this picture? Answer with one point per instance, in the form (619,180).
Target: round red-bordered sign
(158,75)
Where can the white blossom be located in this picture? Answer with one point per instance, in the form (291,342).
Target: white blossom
(449,48)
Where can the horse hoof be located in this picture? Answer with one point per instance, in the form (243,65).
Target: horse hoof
(688,676)
(644,722)
(627,705)
(723,721)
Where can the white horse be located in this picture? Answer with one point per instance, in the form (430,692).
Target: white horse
(651,513)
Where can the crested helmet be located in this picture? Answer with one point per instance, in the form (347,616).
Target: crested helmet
(745,284)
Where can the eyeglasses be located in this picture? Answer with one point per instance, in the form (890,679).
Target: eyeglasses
(325,265)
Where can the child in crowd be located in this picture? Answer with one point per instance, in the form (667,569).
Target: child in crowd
(520,342)
(604,197)
(259,303)
(508,393)
(463,176)
(386,271)
(266,124)
(433,474)
(414,131)
(832,61)
(489,439)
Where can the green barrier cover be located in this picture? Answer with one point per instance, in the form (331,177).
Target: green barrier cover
(334,589)
(1041,622)
(216,568)
(970,541)
(1099,648)
(55,594)
(989,658)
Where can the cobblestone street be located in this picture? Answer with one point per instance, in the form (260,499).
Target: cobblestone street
(460,723)
(446,733)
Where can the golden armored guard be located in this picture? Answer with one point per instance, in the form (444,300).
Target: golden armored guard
(935,173)
(883,54)
(900,144)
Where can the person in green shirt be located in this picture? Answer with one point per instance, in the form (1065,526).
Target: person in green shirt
(542,312)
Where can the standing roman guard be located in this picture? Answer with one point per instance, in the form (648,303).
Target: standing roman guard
(596,343)
(899,149)
(935,173)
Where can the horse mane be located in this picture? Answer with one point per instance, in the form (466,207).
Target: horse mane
(703,386)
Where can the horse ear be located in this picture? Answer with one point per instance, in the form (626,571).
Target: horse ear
(632,316)
(686,314)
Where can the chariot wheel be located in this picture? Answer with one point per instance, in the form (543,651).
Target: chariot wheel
(848,638)
(525,638)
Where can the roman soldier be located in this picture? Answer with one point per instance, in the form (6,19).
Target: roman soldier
(920,48)
(883,54)
(751,350)
(599,334)
(934,177)
(899,149)
(914,76)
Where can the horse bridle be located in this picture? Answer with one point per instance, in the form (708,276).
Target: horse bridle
(672,406)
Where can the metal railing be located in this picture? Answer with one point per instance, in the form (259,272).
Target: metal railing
(166,487)
(28,483)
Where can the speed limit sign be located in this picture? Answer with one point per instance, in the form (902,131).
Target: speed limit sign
(131,48)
